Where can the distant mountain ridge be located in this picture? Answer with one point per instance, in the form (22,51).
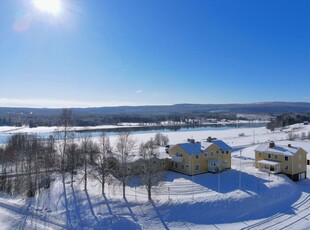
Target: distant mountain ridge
(261,107)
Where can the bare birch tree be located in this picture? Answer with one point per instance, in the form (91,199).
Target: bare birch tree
(161,139)
(49,161)
(72,158)
(152,168)
(85,146)
(102,170)
(3,177)
(64,134)
(124,150)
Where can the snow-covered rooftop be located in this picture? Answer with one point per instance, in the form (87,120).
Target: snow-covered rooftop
(268,162)
(198,147)
(222,145)
(135,155)
(191,148)
(205,144)
(277,149)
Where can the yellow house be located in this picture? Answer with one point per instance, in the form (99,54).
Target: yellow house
(199,157)
(289,160)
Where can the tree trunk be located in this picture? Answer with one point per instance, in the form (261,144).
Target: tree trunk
(124,185)
(85,175)
(72,177)
(149,193)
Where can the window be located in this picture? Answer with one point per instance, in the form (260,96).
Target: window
(182,166)
(269,155)
(197,156)
(172,164)
(223,152)
(175,165)
(227,152)
(217,152)
(206,154)
(299,166)
(211,153)
(276,157)
(197,167)
(286,158)
(179,154)
(286,167)
(260,154)
(299,157)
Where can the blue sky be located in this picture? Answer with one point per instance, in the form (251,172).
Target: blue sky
(144,52)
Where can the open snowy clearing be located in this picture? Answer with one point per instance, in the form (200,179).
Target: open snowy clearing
(182,202)
(240,198)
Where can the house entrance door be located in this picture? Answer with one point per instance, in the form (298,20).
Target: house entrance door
(302,176)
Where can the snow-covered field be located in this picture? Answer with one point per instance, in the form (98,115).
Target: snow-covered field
(240,198)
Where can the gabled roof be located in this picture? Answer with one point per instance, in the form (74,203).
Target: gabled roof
(277,149)
(205,145)
(222,145)
(191,148)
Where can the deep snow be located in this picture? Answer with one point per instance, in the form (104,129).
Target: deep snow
(206,201)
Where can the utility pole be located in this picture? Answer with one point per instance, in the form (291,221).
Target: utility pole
(253,136)
(192,178)
(240,170)
(218,175)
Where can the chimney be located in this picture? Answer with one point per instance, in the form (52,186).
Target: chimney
(289,145)
(190,140)
(271,144)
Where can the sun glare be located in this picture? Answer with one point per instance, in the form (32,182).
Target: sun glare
(48,6)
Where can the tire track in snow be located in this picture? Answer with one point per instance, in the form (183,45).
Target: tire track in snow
(281,218)
(26,212)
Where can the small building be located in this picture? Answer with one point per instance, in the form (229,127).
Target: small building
(306,122)
(134,162)
(193,158)
(288,160)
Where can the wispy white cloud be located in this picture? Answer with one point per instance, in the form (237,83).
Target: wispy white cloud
(138,91)
(56,103)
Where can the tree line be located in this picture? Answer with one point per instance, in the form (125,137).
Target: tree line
(29,161)
(288,119)
(80,119)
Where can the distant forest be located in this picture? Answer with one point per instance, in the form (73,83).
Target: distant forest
(288,119)
(286,113)
(14,119)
